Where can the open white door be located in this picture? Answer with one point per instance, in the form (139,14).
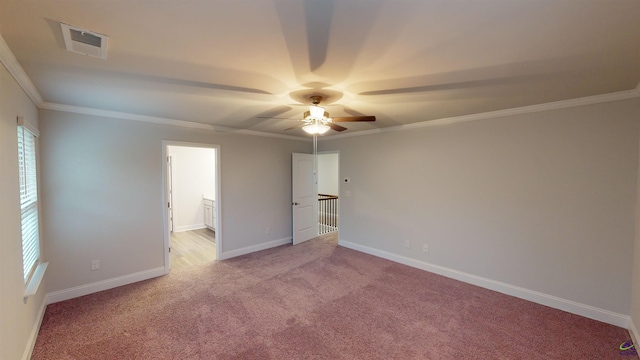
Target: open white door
(304,198)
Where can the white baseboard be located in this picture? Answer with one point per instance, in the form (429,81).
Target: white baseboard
(555,302)
(31,342)
(633,331)
(95,287)
(91,288)
(254,248)
(189,227)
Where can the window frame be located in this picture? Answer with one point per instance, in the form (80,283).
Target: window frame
(32,266)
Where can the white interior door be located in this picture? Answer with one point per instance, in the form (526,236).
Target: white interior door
(304,198)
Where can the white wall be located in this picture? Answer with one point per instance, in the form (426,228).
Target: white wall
(103,193)
(194,171)
(542,201)
(328,182)
(18,321)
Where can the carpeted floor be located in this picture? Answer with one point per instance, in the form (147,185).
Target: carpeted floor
(315,300)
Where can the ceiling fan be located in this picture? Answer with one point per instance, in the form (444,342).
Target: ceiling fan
(317,121)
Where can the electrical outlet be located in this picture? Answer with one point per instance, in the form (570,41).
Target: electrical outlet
(95,264)
(407,244)
(425,247)
(267,230)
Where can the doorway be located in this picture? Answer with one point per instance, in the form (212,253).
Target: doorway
(191,178)
(328,191)
(315,188)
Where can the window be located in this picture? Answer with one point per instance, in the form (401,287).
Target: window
(28,201)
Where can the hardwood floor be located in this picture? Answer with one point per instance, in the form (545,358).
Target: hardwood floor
(195,247)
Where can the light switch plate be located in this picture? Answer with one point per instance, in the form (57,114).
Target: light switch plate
(95,264)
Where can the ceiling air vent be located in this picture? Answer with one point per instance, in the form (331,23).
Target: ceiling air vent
(84,42)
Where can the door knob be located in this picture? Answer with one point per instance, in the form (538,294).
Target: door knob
(295,203)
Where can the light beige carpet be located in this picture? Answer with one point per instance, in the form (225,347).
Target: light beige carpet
(314,301)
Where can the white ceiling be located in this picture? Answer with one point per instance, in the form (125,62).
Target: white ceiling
(405,61)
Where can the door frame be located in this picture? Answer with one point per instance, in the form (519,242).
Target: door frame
(298,216)
(170,191)
(165,197)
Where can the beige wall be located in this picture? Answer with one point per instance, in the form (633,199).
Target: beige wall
(542,201)
(17,320)
(102,193)
(328,182)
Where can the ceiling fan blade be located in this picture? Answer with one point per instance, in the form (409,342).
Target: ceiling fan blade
(336,127)
(272,117)
(295,127)
(318,19)
(354,118)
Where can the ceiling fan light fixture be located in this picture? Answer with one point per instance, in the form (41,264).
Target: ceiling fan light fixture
(316,128)
(316,121)
(316,112)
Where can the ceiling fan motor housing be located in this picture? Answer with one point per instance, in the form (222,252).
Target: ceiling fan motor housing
(315,99)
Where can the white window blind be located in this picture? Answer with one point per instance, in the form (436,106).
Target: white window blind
(28,201)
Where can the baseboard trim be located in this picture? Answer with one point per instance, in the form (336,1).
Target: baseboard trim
(77,291)
(31,342)
(555,302)
(189,227)
(254,248)
(633,331)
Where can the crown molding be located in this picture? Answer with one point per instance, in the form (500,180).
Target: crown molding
(160,120)
(589,100)
(13,66)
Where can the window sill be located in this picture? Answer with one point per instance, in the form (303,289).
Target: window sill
(34,283)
